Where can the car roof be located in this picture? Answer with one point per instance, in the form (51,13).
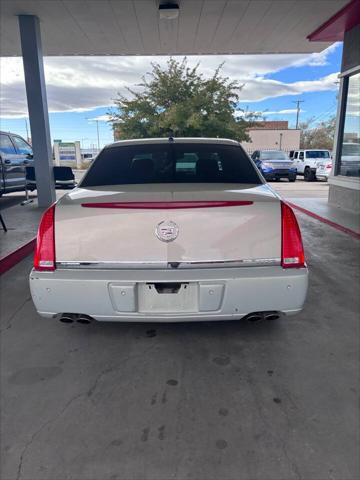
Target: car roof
(10,133)
(147,141)
(276,151)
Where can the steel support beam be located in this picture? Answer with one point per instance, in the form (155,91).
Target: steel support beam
(37,105)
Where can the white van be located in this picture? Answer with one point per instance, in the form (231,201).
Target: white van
(307,161)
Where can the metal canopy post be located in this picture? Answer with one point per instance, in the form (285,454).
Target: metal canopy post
(37,106)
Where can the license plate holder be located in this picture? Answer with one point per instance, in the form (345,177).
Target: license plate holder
(155,298)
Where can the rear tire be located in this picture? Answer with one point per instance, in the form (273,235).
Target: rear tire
(308,175)
(292,179)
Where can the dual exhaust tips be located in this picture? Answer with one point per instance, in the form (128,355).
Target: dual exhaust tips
(86,319)
(258,316)
(75,317)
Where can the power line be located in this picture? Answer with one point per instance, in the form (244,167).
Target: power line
(331,110)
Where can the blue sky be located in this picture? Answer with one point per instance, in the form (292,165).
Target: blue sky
(316,106)
(83,88)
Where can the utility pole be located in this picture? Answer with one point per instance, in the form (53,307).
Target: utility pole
(97,129)
(297,111)
(27,130)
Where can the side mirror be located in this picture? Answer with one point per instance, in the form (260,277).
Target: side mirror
(30,156)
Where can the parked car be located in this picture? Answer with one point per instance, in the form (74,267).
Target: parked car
(307,161)
(169,230)
(274,164)
(64,178)
(87,159)
(323,170)
(15,155)
(350,159)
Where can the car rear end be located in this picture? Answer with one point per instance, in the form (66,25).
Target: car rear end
(323,170)
(215,243)
(318,164)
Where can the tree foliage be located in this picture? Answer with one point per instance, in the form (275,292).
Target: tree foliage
(320,137)
(178,100)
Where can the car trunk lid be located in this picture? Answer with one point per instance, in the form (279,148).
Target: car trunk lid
(167,224)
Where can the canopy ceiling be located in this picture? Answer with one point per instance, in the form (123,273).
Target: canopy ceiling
(134,27)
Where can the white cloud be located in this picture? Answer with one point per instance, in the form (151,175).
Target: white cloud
(286,111)
(85,83)
(260,88)
(100,118)
(265,113)
(317,59)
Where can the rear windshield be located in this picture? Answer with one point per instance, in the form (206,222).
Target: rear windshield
(274,156)
(171,163)
(317,154)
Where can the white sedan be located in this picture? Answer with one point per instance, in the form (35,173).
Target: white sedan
(169,230)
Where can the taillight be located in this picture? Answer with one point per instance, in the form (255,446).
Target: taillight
(292,250)
(44,259)
(329,165)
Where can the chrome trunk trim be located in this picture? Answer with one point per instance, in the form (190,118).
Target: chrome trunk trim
(247,262)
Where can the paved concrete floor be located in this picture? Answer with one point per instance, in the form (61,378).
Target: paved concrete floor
(21,220)
(301,189)
(222,401)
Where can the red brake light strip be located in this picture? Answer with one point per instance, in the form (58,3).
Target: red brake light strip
(168,205)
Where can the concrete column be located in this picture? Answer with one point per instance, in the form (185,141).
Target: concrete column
(37,106)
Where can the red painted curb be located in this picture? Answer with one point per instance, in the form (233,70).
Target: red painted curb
(8,261)
(342,229)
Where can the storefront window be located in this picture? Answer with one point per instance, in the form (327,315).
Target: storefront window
(349,158)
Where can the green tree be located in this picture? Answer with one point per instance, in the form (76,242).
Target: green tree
(178,100)
(320,137)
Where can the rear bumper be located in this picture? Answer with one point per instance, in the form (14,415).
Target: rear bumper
(322,174)
(219,293)
(271,175)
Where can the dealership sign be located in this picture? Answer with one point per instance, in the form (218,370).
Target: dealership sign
(67,153)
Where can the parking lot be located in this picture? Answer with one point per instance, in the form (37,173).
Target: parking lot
(232,400)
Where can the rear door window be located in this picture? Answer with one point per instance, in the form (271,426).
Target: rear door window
(6,145)
(22,147)
(171,163)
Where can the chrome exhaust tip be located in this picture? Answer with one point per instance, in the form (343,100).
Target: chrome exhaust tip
(84,319)
(255,317)
(67,318)
(272,316)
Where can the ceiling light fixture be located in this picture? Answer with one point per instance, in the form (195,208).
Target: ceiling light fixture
(168,11)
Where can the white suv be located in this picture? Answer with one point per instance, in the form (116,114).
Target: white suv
(307,162)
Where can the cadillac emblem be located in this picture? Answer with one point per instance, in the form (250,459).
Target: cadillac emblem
(167,231)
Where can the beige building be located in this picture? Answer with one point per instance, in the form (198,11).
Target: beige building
(263,138)
(272,139)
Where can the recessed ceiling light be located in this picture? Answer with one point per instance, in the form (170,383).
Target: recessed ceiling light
(168,11)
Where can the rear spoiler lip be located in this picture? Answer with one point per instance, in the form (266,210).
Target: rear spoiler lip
(169,205)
